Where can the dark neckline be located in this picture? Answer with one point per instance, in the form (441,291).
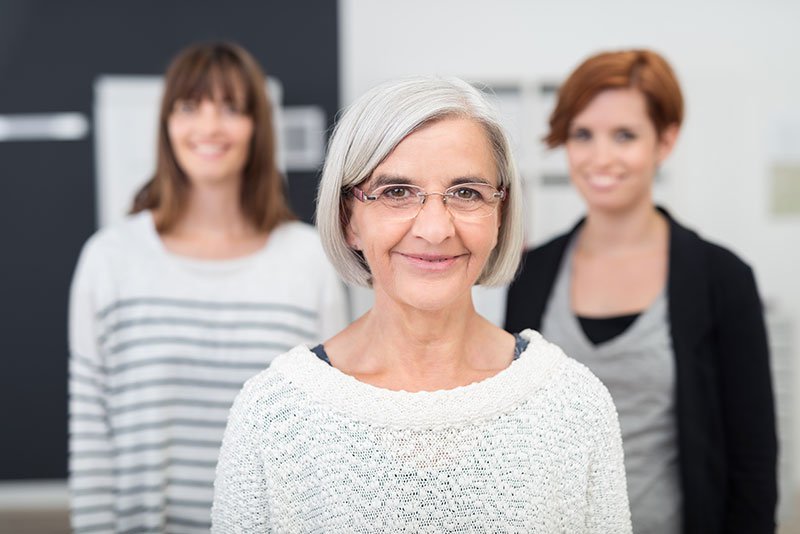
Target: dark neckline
(520,344)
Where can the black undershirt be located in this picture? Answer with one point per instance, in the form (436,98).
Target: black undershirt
(520,344)
(599,330)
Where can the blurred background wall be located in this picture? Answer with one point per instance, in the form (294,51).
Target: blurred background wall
(738,62)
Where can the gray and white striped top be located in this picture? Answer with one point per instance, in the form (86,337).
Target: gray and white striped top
(159,347)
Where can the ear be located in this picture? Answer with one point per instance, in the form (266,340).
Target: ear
(352,235)
(666,142)
(501,212)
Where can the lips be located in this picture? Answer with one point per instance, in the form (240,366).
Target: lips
(602,181)
(208,149)
(431,262)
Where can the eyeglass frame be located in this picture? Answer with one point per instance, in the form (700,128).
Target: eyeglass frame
(500,193)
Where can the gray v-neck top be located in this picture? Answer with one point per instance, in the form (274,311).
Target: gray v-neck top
(638,368)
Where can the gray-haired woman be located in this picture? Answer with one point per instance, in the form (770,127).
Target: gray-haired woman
(422,415)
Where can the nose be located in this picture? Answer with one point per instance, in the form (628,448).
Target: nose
(434,223)
(602,153)
(209,116)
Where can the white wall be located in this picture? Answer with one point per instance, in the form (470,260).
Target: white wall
(739,64)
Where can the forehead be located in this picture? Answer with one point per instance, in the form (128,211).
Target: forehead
(614,106)
(214,82)
(442,152)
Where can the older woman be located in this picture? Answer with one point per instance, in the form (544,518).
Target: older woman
(422,415)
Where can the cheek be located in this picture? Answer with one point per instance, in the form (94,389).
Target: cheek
(481,240)
(176,134)
(245,134)
(643,160)
(377,241)
(175,130)
(352,226)
(576,156)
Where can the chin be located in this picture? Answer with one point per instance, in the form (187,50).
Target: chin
(434,297)
(612,204)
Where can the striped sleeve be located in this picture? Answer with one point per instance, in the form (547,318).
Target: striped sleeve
(334,308)
(90,452)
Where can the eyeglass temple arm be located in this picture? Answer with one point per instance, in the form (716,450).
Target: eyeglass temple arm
(360,195)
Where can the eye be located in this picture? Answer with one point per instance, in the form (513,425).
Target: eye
(230,108)
(185,106)
(467,193)
(624,135)
(398,192)
(580,134)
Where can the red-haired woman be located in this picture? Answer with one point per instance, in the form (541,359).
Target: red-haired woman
(172,310)
(671,323)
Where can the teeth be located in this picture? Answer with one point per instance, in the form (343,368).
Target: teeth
(208,150)
(602,180)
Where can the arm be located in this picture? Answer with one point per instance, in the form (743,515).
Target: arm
(240,487)
(91,463)
(607,493)
(742,357)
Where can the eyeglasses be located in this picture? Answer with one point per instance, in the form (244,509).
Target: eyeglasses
(403,202)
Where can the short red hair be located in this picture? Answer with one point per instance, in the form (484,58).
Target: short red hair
(644,70)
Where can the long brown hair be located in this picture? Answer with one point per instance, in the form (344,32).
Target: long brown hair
(208,71)
(644,70)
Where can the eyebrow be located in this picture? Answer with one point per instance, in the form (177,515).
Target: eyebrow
(616,128)
(392,179)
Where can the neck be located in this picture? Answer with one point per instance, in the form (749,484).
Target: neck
(214,211)
(418,347)
(610,232)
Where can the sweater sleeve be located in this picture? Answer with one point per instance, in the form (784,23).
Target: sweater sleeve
(607,493)
(240,486)
(747,401)
(90,448)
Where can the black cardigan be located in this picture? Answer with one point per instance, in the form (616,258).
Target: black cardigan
(727,447)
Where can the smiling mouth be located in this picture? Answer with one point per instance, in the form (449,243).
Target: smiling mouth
(207,149)
(431,262)
(603,181)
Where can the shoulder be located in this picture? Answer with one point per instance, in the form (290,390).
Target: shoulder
(552,249)
(298,240)
(528,293)
(270,389)
(117,243)
(723,265)
(570,384)
(539,265)
(542,262)
(297,231)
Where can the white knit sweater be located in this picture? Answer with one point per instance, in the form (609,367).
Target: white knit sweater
(536,448)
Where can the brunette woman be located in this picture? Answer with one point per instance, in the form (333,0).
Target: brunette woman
(172,310)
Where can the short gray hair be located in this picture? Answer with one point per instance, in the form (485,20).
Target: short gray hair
(368,131)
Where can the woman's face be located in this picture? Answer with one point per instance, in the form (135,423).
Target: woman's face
(614,150)
(210,139)
(432,260)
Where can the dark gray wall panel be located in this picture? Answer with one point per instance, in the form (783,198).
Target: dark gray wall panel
(50,54)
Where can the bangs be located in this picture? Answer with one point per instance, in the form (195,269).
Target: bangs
(213,78)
